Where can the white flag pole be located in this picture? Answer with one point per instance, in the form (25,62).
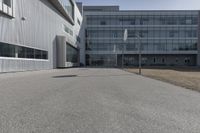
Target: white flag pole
(123,49)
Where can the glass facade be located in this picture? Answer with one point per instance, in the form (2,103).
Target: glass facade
(71,54)
(171,32)
(170,19)
(7,2)
(68,30)
(69,7)
(9,50)
(106,60)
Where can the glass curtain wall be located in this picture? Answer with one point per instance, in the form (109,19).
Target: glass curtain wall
(71,54)
(159,33)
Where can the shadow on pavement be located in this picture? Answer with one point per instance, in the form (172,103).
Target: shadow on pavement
(70,76)
(65,76)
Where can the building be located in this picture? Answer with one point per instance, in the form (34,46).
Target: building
(168,38)
(47,34)
(39,34)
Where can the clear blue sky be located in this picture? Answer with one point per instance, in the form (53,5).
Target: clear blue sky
(148,4)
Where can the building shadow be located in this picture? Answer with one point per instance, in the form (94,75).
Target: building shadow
(92,76)
(65,76)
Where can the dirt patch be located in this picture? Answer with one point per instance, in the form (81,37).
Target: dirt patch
(185,77)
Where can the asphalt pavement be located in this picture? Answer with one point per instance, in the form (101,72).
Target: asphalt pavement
(89,100)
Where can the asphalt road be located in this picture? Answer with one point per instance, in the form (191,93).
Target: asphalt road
(82,100)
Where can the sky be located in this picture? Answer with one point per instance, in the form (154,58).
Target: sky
(148,4)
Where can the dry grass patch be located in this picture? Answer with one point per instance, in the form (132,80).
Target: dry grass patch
(185,77)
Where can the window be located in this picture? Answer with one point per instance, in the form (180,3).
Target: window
(144,21)
(30,53)
(163,60)
(7,2)
(78,39)
(68,30)
(132,22)
(69,7)
(162,20)
(44,55)
(114,35)
(194,20)
(171,20)
(176,59)
(182,20)
(173,33)
(38,54)
(191,33)
(71,54)
(21,52)
(154,60)
(103,23)
(9,50)
(187,60)
(78,21)
(144,33)
(188,21)
(131,33)
(6,7)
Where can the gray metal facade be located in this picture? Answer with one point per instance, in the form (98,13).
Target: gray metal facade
(34,25)
(167,37)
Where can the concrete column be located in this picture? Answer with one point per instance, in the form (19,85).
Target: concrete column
(61,51)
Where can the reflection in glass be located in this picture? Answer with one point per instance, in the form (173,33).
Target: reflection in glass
(71,54)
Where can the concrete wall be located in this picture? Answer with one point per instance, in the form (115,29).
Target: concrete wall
(36,23)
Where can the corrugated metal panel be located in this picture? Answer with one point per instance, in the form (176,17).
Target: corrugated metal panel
(39,27)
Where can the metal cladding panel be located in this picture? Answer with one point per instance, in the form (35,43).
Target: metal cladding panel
(9,65)
(36,23)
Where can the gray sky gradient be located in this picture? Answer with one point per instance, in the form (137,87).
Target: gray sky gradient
(148,4)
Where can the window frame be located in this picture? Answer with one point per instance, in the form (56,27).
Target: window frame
(7,2)
(21,52)
(7,8)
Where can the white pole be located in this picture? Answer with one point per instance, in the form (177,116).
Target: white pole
(140,58)
(123,49)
